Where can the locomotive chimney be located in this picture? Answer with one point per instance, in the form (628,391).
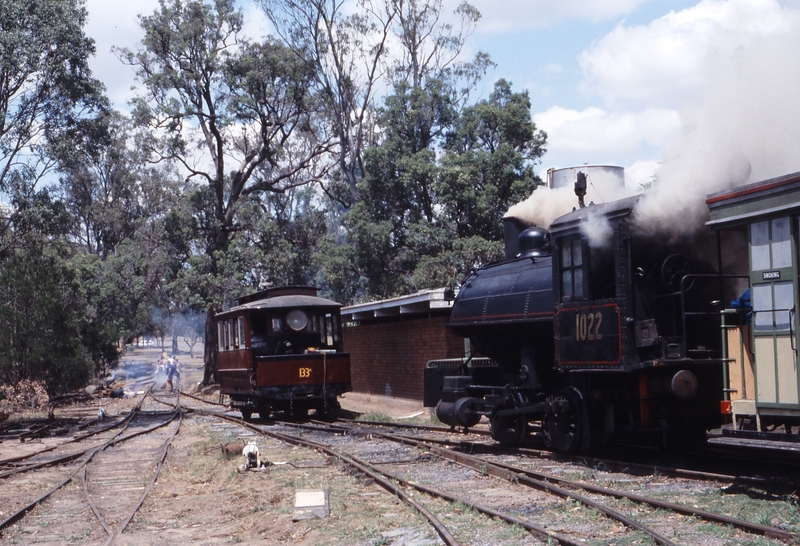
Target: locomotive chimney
(580,188)
(512,227)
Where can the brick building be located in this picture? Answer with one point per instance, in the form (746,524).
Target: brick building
(390,341)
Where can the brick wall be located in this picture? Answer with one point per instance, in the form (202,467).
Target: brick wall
(388,358)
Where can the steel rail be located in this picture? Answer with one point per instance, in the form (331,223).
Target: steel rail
(756,528)
(622,466)
(67,458)
(184,393)
(534,529)
(157,472)
(486,467)
(546,481)
(94,508)
(90,453)
(432,428)
(541,532)
(386,484)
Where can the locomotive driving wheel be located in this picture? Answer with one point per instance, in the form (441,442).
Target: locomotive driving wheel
(508,430)
(562,428)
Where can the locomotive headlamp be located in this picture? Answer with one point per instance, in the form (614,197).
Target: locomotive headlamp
(297,320)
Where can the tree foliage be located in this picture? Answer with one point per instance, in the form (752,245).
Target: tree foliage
(238,117)
(245,163)
(46,88)
(346,54)
(42,308)
(437,186)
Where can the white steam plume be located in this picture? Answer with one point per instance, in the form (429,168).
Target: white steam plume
(745,128)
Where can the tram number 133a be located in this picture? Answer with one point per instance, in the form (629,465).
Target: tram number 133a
(587,326)
(305,373)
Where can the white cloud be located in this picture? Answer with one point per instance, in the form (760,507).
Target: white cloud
(598,136)
(115,24)
(514,15)
(665,63)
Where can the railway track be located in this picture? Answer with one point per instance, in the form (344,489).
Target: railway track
(567,489)
(484,497)
(90,486)
(773,470)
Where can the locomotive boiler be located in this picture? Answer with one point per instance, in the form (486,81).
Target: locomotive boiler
(281,349)
(595,330)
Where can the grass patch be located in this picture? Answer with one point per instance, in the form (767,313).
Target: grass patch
(376,416)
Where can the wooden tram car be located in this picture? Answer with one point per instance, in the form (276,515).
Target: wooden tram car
(281,349)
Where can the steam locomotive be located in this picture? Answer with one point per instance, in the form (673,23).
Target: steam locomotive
(594,330)
(281,349)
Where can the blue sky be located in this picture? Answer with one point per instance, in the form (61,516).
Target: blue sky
(701,93)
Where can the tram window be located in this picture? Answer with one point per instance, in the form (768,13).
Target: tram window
(759,245)
(240,325)
(277,325)
(784,301)
(329,330)
(322,331)
(234,335)
(336,329)
(227,335)
(221,335)
(772,303)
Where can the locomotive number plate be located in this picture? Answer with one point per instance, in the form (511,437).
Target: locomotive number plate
(588,335)
(305,373)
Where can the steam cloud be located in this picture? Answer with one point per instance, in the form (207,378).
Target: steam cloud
(744,126)
(745,129)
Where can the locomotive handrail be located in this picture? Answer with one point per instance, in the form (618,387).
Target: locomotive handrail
(685,313)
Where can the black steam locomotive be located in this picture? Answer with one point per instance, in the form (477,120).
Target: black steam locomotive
(594,330)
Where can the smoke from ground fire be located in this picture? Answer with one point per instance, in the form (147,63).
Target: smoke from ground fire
(743,127)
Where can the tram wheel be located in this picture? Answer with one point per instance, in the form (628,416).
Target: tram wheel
(247,415)
(264,409)
(509,430)
(299,412)
(563,430)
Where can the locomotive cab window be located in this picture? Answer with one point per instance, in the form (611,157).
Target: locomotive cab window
(572,282)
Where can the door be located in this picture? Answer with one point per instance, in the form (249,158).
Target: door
(773,276)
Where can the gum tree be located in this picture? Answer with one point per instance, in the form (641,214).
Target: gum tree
(237,117)
(46,88)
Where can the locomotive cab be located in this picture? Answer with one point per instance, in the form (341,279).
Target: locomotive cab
(634,330)
(281,349)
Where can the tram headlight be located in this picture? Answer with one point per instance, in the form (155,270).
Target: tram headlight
(297,320)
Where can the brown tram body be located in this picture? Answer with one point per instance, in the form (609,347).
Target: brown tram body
(281,349)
